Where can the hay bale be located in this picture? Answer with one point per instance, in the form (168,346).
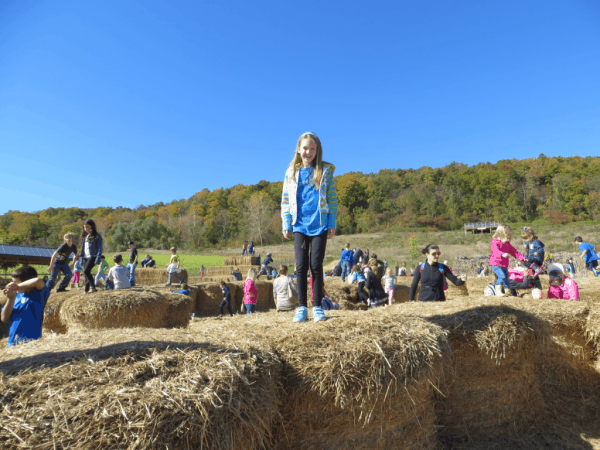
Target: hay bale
(208,299)
(152,277)
(142,396)
(135,307)
(52,321)
(328,269)
(241,261)
(265,299)
(454,291)
(179,307)
(219,271)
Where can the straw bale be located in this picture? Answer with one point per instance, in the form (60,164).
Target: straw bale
(265,295)
(52,321)
(226,270)
(179,307)
(454,291)
(361,378)
(209,298)
(200,280)
(152,277)
(135,307)
(241,261)
(328,269)
(137,394)
(592,326)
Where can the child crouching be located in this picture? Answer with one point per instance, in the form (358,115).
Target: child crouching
(118,275)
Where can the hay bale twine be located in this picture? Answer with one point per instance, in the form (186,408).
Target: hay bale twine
(179,307)
(135,307)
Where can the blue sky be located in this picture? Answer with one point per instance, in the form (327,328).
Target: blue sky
(127,103)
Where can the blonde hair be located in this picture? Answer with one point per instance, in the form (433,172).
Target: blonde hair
(389,271)
(317,163)
(67,236)
(251,275)
(174,249)
(283,270)
(503,232)
(529,235)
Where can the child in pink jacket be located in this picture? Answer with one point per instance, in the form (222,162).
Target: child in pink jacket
(250,292)
(561,286)
(501,249)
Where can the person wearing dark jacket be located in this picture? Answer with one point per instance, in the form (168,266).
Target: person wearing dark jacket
(373,285)
(91,253)
(357,255)
(535,255)
(431,277)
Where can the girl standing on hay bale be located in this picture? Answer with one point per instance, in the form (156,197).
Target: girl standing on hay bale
(309,210)
(432,275)
(389,279)
(91,253)
(250,292)
(284,289)
(173,267)
(501,249)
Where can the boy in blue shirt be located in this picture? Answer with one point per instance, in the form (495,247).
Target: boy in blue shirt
(27,296)
(347,259)
(588,254)
(184,290)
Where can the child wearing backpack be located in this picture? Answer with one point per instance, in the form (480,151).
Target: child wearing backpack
(432,275)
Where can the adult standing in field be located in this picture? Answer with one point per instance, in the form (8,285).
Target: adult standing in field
(309,212)
(432,275)
(60,263)
(91,252)
(173,267)
(245,248)
(133,260)
(251,249)
(347,259)
(588,254)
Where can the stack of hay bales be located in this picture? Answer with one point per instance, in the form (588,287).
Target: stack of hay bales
(139,394)
(240,261)
(152,277)
(328,269)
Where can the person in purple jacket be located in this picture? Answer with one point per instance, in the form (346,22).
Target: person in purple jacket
(501,249)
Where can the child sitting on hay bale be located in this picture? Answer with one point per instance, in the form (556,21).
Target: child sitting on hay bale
(226,300)
(173,267)
(359,277)
(250,292)
(237,275)
(284,289)
(27,296)
(561,286)
(373,285)
(118,275)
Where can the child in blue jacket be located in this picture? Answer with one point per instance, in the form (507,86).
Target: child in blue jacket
(535,254)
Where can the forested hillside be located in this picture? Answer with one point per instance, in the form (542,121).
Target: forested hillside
(557,190)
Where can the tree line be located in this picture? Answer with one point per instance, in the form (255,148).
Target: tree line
(557,190)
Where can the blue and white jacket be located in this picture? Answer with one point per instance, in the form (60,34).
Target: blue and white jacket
(327,198)
(536,252)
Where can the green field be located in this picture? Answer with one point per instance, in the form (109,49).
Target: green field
(191,263)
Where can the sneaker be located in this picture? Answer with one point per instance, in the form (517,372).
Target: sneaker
(302,314)
(369,303)
(168,284)
(318,314)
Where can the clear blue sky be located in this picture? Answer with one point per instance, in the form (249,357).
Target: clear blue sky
(123,103)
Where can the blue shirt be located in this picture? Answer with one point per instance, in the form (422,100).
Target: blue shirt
(308,221)
(183,291)
(27,316)
(591,254)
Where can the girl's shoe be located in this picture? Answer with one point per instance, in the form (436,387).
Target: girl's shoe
(302,314)
(318,314)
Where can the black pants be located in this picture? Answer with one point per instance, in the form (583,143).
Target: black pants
(361,293)
(310,251)
(88,264)
(225,303)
